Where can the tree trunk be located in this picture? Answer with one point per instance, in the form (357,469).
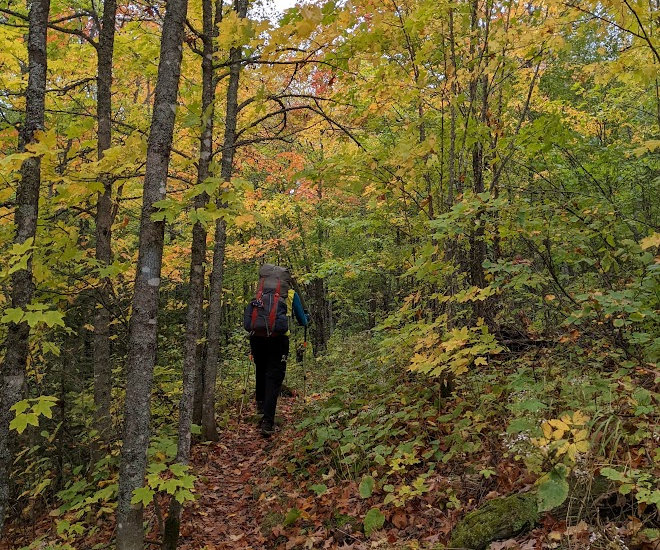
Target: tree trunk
(319,332)
(25,219)
(479,91)
(143,323)
(197,261)
(215,310)
(104,219)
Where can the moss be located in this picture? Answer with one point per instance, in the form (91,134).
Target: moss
(341,520)
(271,519)
(501,518)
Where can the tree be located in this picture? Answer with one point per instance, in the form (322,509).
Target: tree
(105,214)
(215,294)
(194,323)
(26,216)
(143,323)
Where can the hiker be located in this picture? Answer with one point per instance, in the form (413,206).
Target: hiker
(267,321)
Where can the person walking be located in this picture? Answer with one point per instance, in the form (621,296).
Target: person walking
(267,320)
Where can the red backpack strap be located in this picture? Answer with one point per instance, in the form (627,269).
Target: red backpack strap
(260,293)
(273,310)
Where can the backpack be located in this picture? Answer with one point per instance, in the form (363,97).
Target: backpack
(266,314)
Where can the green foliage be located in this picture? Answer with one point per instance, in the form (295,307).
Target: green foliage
(367,486)
(318,489)
(28,411)
(552,489)
(641,484)
(373,520)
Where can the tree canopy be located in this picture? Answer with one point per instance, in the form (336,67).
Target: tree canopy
(466,192)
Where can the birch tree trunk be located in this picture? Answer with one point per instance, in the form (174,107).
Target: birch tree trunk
(143,323)
(104,219)
(25,218)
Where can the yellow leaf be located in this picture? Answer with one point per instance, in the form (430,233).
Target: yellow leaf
(547,430)
(558,434)
(559,424)
(561,450)
(582,446)
(579,418)
(244,220)
(650,241)
(580,435)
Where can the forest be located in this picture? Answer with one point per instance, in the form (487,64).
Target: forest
(467,195)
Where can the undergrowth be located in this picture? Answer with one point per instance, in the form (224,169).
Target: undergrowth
(377,436)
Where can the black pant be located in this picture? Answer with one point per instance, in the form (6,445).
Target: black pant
(269,354)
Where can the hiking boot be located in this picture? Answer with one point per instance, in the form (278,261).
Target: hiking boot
(260,407)
(266,427)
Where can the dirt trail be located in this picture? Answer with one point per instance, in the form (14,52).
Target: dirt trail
(226,513)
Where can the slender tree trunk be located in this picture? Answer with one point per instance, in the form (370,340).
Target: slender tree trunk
(143,324)
(210,24)
(319,309)
(479,91)
(215,310)
(104,219)
(452,114)
(197,261)
(25,218)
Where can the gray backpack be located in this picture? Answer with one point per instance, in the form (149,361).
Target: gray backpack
(266,314)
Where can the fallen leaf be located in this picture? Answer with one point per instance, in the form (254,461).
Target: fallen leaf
(400,520)
(502,545)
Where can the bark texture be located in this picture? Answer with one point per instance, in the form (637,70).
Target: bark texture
(143,323)
(104,219)
(197,264)
(215,295)
(25,218)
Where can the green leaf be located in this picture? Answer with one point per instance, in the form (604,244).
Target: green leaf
(12,315)
(19,423)
(170,486)
(614,475)
(626,488)
(21,406)
(142,495)
(183,495)
(373,521)
(618,323)
(319,489)
(187,481)
(53,318)
(178,469)
(44,407)
(291,517)
(519,425)
(553,491)
(366,486)
(157,467)
(32,419)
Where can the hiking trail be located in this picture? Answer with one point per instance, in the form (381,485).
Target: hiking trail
(226,513)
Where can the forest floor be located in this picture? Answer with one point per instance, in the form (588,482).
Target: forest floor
(247,499)
(230,511)
(373,458)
